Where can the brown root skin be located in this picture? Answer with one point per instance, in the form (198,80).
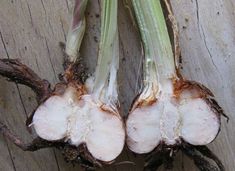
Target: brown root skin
(144,102)
(138,103)
(203,92)
(61,87)
(199,154)
(216,108)
(164,155)
(36,144)
(181,85)
(19,73)
(110,110)
(71,154)
(73,71)
(208,153)
(80,155)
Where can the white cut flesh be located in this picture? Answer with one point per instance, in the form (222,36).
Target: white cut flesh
(143,129)
(80,121)
(200,124)
(54,109)
(168,120)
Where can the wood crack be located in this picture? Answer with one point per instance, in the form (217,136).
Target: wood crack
(203,37)
(62,26)
(208,50)
(36,60)
(56,159)
(43,7)
(11,157)
(4,45)
(8,148)
(198,18)
(51,27)
(49,55)
(30,14)
(21,100)
(67,4)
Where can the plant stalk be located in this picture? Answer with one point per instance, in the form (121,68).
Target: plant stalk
(76,30)
(105,86)
(159,60)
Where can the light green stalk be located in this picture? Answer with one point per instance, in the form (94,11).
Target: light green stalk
(105,87)
(159,59)
(76,30)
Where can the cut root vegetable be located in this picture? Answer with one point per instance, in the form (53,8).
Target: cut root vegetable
(172,118)
(170,112)
(81,119)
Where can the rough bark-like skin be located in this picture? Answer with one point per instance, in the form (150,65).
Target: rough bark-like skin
(162,155)
(199,154)
(73,71)
(74,76)
(71,154)
(20,73)
(203,92)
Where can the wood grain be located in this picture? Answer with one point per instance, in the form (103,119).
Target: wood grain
(30,30)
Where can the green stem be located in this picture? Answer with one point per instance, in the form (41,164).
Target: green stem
(108,58)
(159,60)
(76,30)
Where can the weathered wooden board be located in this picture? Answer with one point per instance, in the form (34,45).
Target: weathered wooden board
(30,30)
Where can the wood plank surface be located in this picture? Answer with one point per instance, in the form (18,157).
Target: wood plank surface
(30,30)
